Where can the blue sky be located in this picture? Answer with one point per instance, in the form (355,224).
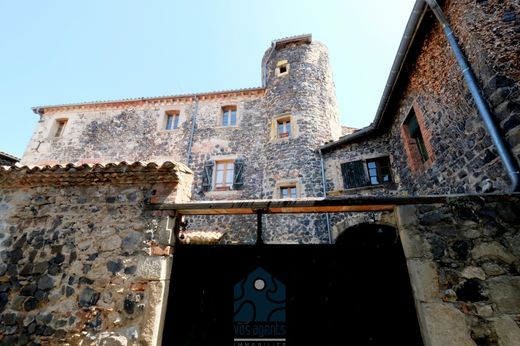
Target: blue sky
(62,51)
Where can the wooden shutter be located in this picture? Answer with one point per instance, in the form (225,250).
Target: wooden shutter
(238,178)
(354,174)
(207,175)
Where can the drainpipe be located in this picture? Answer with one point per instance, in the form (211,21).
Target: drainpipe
(508,160)
(193,120)
(324,184)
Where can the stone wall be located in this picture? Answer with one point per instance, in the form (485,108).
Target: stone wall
(464,157)
(82,263)
(464,264)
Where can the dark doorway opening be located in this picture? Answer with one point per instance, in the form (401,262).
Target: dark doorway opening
(355,292)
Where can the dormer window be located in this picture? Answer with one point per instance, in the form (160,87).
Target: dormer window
(60,127)
(229,116)
(172,120)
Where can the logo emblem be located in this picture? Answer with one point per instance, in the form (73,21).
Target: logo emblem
(259,308)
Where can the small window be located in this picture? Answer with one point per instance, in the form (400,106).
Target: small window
(288,192)
(172,120)
(366,173)
(229,116)
(284,127)
(60,127)
(282,67)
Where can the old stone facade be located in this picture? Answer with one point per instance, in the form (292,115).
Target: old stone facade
(83,262)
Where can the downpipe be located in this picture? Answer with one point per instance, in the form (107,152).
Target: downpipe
(324,184)
(503,150)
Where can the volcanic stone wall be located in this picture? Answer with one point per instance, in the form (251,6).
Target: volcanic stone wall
(84,264)
(464,264)
(464,159)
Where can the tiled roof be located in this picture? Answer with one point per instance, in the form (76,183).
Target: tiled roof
(154,98)
(91,174)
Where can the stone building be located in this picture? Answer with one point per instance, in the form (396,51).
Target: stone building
(83,261)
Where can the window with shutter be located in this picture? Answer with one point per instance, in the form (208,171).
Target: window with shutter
(207,176)
(354,174)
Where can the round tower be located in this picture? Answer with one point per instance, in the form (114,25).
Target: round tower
(300,108)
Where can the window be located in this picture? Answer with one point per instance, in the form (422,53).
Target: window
(282,68)
(284,127)
(229,116)
(60,126)
(415,133)
(379,171)
(172,120)
(366,173)
(288,192)
(223,175)
(416,140)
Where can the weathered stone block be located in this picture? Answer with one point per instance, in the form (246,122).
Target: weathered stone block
(507,331)
(492,251)
(504,291)
(424,280)
(443,325)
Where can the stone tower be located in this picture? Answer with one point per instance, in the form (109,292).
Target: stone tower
(300,108)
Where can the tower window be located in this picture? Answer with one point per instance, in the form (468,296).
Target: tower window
(284,127)
(60,127)
(282,68)
(229,116)
(172,120)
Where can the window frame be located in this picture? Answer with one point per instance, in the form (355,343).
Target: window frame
(58,129)
(354,167)
(224,185)
(286,124)
(282,64)
(290,189)
(230,113)
(416,141)
(175,116)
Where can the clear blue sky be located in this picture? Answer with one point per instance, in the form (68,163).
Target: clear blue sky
(63,51)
